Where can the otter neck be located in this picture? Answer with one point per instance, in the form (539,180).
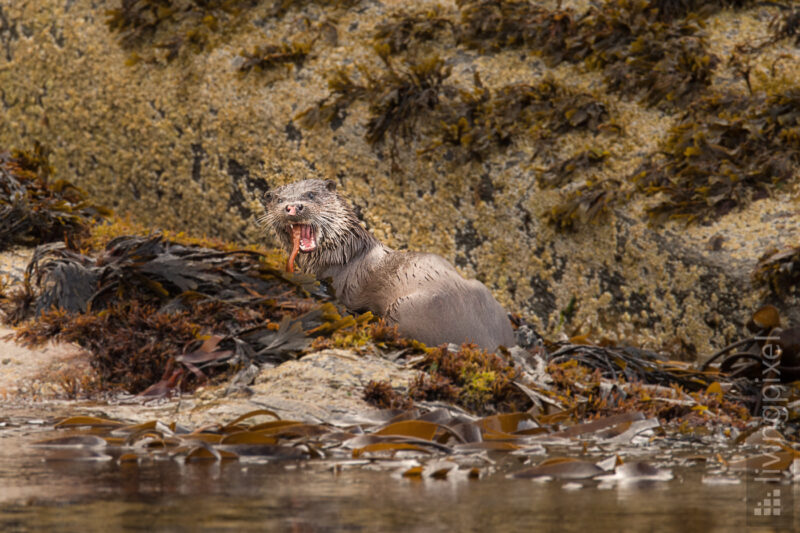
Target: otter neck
(352,267)
(337,250)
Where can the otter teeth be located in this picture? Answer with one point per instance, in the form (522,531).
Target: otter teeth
(308,240)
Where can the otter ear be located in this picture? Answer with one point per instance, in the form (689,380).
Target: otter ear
(330,185)
(267,198)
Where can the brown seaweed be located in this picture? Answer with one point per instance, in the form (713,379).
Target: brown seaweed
(404,29)
(561,173)
(779,270)
(144,307)
(270,56)
(176,26)
(643,47)
(470,377)
(770,355)
(172,25)
(584,204)
(483,120)
(382,395)
(726,152)
(787,26)
(500,24)
(35,208)
(397,97)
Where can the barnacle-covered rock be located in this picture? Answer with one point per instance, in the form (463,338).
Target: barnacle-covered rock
(152,117)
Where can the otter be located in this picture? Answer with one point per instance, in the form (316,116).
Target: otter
(420,292)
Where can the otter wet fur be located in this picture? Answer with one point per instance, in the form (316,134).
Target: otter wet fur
(420,292)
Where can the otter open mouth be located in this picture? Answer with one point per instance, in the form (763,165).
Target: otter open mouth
(303,235)
(303,239)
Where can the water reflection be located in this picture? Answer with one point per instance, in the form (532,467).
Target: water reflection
(166,495)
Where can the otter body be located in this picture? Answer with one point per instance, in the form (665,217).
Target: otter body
(420,292)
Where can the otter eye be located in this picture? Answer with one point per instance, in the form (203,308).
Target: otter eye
(310,195)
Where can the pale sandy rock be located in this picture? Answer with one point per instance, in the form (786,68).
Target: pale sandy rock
(13,264)
(47,372)
(322,386)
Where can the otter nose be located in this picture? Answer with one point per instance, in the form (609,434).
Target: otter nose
(294,209)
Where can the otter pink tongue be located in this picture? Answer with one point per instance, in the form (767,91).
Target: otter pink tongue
(308,242)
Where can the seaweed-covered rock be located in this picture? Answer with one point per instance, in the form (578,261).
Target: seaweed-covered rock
(176,136)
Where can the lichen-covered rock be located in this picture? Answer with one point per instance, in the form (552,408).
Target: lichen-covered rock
(179,137)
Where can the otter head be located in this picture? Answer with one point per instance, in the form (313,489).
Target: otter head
(314,223)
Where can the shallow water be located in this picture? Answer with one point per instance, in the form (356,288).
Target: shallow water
(39,494)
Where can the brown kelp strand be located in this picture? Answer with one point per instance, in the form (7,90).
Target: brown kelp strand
(445,444)
(724,153)
(149,309)
(414,443)
(34,207)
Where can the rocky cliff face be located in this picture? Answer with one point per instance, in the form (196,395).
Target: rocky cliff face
(183,120)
